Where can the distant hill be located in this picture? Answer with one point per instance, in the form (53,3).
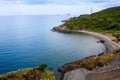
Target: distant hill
(107,20)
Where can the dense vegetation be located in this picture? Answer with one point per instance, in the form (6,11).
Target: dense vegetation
(105,21)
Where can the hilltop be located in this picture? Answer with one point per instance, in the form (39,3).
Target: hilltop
(106,22)
(104,25)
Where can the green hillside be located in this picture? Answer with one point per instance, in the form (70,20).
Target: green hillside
(105,21)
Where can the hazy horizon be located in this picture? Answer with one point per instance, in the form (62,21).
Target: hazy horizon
(53,7)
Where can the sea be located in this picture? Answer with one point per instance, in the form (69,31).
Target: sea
(27,41)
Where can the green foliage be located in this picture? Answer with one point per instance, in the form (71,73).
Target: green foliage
(105,20)
(117,35)
(116,51)
(42,67)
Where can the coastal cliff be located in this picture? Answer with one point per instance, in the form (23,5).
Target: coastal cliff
(108,71)
(105,66)
(93,67)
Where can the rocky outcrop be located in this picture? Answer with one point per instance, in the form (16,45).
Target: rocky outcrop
(61,29)
(77,74)
(110,71)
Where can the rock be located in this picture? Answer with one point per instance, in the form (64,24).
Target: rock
(78,74)
(102,41)
(110,71)
(61,29)
(58,74)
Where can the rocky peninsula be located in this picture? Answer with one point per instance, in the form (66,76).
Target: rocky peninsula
(105,66)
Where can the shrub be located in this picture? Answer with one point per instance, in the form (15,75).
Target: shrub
(42,67)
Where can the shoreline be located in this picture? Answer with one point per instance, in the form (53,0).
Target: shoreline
(110,45)
(80,69)
(85,73)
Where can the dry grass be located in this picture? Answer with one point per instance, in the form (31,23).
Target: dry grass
(28,74)
(91,62)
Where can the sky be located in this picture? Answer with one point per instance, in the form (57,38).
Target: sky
(54,7)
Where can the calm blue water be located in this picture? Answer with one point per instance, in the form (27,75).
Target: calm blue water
(27,41)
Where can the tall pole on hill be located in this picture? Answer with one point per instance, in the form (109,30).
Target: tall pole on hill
(91,10)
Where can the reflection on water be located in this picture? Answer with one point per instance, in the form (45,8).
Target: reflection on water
(27,41)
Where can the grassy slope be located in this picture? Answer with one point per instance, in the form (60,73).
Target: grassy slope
(28,74)
(91,62)
(105,21)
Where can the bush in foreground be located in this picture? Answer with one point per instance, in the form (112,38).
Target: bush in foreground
(42,67)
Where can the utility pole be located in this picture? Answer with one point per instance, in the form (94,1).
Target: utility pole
(91,10)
